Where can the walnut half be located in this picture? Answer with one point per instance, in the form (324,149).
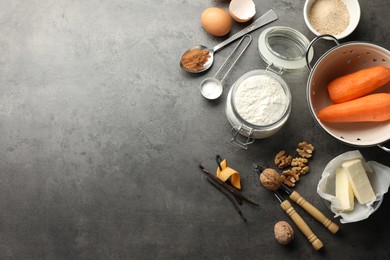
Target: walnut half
(291,177)
(305,149)
(282,160)
(299,165)
(300,170)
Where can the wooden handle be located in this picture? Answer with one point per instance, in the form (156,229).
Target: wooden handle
(301,224)
(314,212)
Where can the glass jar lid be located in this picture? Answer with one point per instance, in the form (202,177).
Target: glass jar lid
(284,48)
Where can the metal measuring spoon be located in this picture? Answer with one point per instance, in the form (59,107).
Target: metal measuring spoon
(211,88)
(266,18)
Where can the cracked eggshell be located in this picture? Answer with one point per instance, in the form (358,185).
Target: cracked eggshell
(242,10)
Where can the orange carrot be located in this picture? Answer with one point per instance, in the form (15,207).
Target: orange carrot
(358,84)
(370,108)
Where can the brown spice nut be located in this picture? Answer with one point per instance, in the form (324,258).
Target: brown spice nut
(291,177)
(305,149)
(282,160)
(284,233)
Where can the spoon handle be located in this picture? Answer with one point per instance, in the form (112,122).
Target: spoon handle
(266,18)
(314,212)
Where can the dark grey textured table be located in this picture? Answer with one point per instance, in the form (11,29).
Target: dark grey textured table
(101,133)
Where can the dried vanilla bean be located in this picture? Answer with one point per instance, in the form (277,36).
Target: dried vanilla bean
(231,200)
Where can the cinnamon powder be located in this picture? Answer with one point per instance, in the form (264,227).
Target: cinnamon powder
(194,60)
(329,16)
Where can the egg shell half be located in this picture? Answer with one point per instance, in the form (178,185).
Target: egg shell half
(242,10)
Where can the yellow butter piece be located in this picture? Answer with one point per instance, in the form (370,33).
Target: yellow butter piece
(357,177)
(344,190)
(227,173)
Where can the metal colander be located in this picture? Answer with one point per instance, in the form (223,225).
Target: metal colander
(341,60)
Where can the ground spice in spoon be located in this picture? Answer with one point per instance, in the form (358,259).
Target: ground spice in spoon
(329,16)
(195,59)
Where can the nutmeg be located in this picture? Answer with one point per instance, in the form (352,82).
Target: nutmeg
(284,233)
(271,179)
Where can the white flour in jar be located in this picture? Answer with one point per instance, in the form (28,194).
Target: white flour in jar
(260,100)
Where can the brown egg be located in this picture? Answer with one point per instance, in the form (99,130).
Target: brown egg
(216,21)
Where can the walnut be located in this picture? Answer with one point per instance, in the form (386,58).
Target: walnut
(291,173)
(299,161)
(271,179)
(305,149)
(300,170)
(299,165)
(289,182)
(291,177)
(284,233)
(282,160)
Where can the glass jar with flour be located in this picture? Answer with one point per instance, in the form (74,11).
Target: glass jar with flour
(259,102)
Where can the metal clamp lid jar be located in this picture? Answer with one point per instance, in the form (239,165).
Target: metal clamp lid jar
(282,48)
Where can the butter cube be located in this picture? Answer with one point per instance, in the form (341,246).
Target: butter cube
(359,181)
(344,190)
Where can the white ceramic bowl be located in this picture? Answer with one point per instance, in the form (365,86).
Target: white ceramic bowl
(354,17)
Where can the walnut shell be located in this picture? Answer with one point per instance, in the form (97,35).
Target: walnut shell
(284,233)
(270,179)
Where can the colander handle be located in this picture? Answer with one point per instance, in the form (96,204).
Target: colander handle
(384,148)
(314,41)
